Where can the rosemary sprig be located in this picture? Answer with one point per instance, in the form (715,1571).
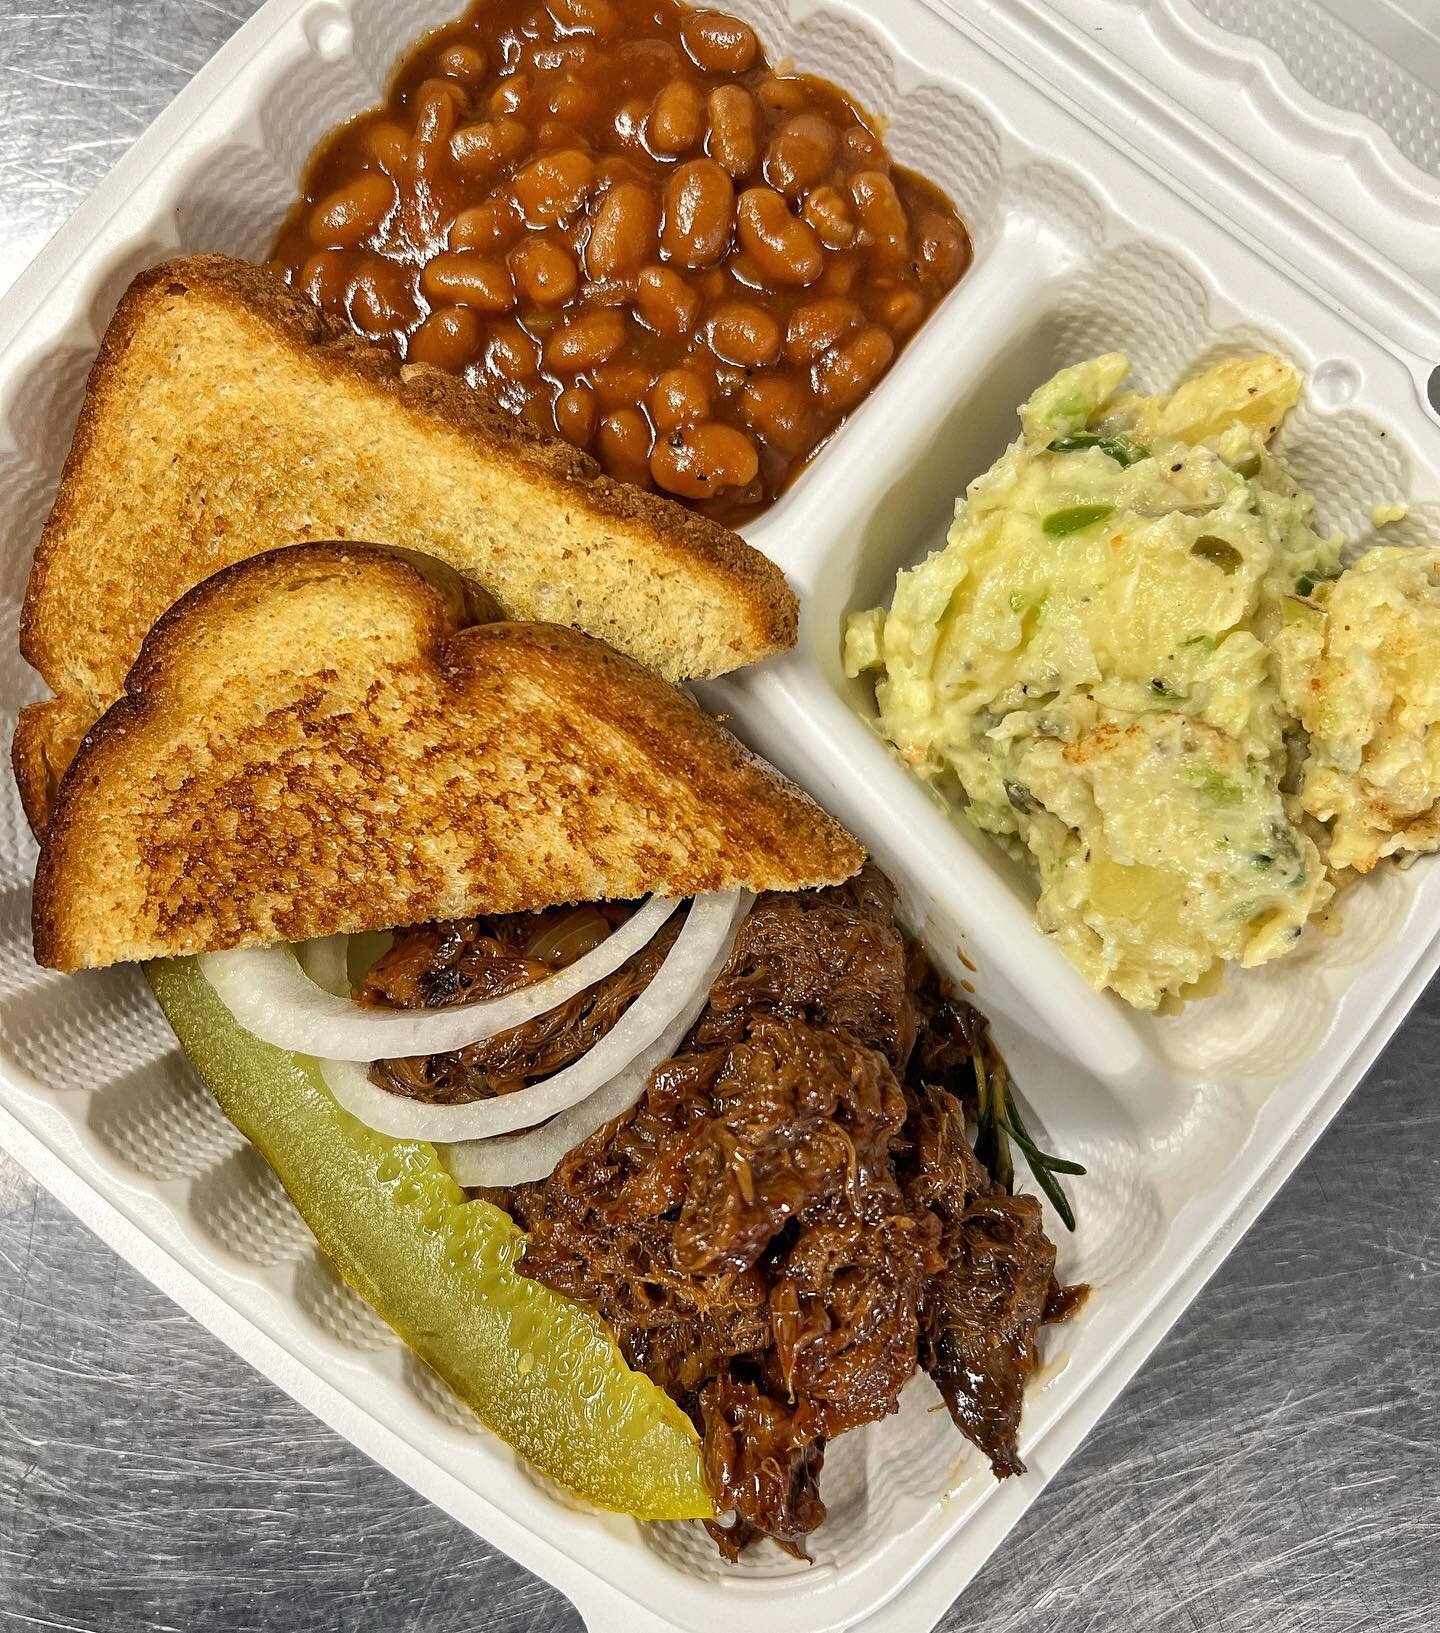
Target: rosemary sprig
(998,1122)
(991,1146)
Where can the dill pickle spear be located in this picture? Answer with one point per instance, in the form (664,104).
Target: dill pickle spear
(541,1371)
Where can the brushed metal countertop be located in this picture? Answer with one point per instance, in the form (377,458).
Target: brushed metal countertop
(1275,1467)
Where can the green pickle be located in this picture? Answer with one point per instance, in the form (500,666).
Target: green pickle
(542,1372)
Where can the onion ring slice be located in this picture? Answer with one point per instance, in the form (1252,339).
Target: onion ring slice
(535,1153)
(272,997)
(673,986)
(327,962)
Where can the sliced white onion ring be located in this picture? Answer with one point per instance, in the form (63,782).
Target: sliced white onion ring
(517,1159)
(271,996)
(673,986)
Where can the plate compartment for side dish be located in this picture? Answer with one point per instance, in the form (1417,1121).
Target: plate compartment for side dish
(1187,1125)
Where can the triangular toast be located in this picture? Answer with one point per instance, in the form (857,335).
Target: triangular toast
(226,416)
(314,741)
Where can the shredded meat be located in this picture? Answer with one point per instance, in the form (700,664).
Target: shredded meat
(791,1219)
(979,1314)
(441,964)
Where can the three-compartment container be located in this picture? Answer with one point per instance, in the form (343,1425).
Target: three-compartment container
(1103,154)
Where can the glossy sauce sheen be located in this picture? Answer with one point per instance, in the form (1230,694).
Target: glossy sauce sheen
(620,222)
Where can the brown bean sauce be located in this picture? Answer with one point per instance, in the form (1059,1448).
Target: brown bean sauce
(615,218)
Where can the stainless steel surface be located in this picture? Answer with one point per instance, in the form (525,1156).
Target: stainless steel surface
(1276,1466)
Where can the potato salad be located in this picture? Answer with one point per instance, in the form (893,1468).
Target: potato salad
(1129,664)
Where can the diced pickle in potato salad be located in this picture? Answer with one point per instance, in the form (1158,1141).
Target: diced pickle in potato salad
(1134,664)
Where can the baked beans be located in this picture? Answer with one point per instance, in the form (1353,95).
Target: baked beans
(576,414)
(615,218)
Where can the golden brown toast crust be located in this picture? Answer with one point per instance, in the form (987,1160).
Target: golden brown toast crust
(312,741)
(47,735)
(675,590)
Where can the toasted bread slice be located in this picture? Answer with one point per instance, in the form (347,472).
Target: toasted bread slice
(46,737)
(226,416)
(313,741)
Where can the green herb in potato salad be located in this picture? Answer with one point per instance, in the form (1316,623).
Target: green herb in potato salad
(1137,664)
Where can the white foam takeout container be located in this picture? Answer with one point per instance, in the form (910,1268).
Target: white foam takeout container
(1104,155)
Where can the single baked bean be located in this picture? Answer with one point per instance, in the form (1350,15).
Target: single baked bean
(576,414)
(555,133)
(353,212)
(746,335)
(784,249)
(493,225)
(800,154)
(650,59)
(382,298)
(680,397)
(437,105)
(780,95)
(861,149)
(448,339)
(513,354)
(815,328)
(584,341)
(510,95)
(554,186)
(325,277)
(698,461)
(467,278)
(845,375)
(718,43)
(744,271)
(676,119)
(881,215)
(572,99)
(594,16)
(829,212)
(943,248)
(699,211)
(624,232)
(466,63)
(899,310)
(484,148)
(545,273)
(621,384)
(630,122)
(734,137)
(665,302)
(388,142)
(839,275)
(777,408)
(622,445)
(613,168)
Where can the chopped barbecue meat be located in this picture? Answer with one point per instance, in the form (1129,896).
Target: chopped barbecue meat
(436,965)
(791,1218)
(797,1115)
(832,957)
(980,1317)
(844,1311)
(767,1463)
(484,958)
